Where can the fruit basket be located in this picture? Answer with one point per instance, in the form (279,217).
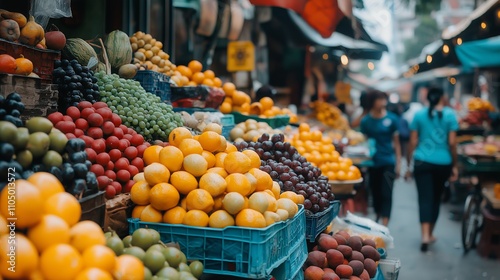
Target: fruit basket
(488,192)
(43,60)
(199,96)
(317,223)
(155,83)
(94,208)
(234,251)
(292,268)
(275,122)
(344,187)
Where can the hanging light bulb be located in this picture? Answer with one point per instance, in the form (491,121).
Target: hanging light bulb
(446,49)
(453,80)
(371,66)
(325,56)
(429,58)
(344,60)
(483,25)
(459,41)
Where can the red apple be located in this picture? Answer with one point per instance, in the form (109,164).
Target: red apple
(133,170)
(115,154)
(106,113)
(118,187)
(139,163)
(118,132)
(103,181)
(102,159)
(87,112)
(112,142)
(67,118)
(99,146)
(100,104)
(95,132)
(97,169)
(70,135)
(91,154)
(95,120)
(122,176)
(110,192)
(110,165)
(137,140)
(108,128)
(82,124)
(128,137)
(128,186)
(66,126)
(111,174)
(121,164)
(55,117)
(131,152)
(140,149)
(79,132)
(117,121)
(73,112)
(124,128)
(123,144)
(88,140)
(84,104)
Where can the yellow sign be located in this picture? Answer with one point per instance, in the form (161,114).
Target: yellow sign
(343,92)
(240,56)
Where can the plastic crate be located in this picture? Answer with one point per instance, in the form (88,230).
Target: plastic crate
(278,121)
(292,268)
(226,130)
(194,109)
(235,251)
(227,119)
(155,83)
(317,223)
(43,59)
(94,208)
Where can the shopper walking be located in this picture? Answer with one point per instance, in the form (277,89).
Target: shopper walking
(433,149)
(382,126)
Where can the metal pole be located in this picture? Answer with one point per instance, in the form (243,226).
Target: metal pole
(168,36)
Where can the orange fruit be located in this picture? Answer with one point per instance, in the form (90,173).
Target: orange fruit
(209,157)
(85,234)
(94,273)
(21,200)
(172,158)
(49,231)
(3,225)
(199,199)
(290,195)
(341,175)
(139,193)
(226,108)
(209,74)
(208,82)
(196,218)
(185,71)
(239,98)
(198,78)
(217,82)
(273,206)
(178,134)
(183,181)
(136,213)
(253,182)
(213,127)
(150,214)
(156,173)
(289,205)
(174,215)
(152,154)
(271,217)
(218,202)
(195,164)
(239,183)
(218,170)
(230,148)
(255,108)
(264,180)
(220,158)
(254,158)
(65,206)
(190,146)
(316,135)
(61,261)
(229,88)
(267,103)
(237,162)
(195,66)
(223,144)
(233,202)
(258,201)
(46,183)
(99,256)
(276,190)
(213,183)
(304,127)
(344,166)
(220,219)
(164,196)
(26,257)
(128,268)
(139,177)
(250,218)
(210,141)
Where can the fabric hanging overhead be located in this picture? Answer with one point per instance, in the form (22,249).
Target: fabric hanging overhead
(480,53)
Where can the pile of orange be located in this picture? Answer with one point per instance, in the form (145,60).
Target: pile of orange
(50,240)
(192,75)
(204,181)
(320,151)
(235,101)
(266,108)
(330,115)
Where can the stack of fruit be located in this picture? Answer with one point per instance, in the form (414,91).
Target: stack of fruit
(199,121)
(291,171)
(320,151)
(149,54)
(50,241)
(251,130)
(11,108)
(479,104)
(235,100)
(75,83)
(342,256)
(192,75)
(15,27)
(19,66)
(113,149)
(329,115)
(159,260)
(204,181)
(138,109)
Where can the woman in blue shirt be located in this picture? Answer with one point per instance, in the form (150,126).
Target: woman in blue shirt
(382,126)
(433,149)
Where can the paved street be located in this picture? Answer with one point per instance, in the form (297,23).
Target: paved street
(445,259)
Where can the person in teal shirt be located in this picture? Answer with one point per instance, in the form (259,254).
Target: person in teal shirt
(433,149)
(382,126)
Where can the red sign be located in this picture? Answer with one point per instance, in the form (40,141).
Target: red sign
(295,5)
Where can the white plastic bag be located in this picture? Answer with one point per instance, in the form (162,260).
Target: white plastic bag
(365,228)
(43,10)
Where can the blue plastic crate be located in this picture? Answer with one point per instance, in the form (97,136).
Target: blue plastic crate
(155,83)
(227,119)
(317,223)
(226,130)
(292,268)
(235,251)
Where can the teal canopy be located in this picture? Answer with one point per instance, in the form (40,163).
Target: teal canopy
(479,53)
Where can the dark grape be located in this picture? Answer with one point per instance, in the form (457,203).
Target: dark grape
(308,204)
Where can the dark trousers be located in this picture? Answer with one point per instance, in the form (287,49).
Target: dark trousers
(430,179)
(381,184)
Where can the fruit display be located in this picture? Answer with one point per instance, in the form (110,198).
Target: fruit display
(192,75)
(15,27)
(204,181)
(50,240)
(114,150)
(236,100)
(329,115)
(251,130)
(75,83)
(496,190)
(320,151)
(11,108)
(79,50)
(138,109)
(489,147)
(149,54)
(291,171)
(198,121)
(479,104)
(18,66)
(476,118)
(160,261)
(342,256)
(118,49)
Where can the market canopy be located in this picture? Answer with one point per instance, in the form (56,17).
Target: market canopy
(480,53)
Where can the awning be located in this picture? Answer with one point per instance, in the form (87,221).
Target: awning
(295,5)
(480,53)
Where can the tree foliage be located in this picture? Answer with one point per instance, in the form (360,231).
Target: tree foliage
(426,32)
